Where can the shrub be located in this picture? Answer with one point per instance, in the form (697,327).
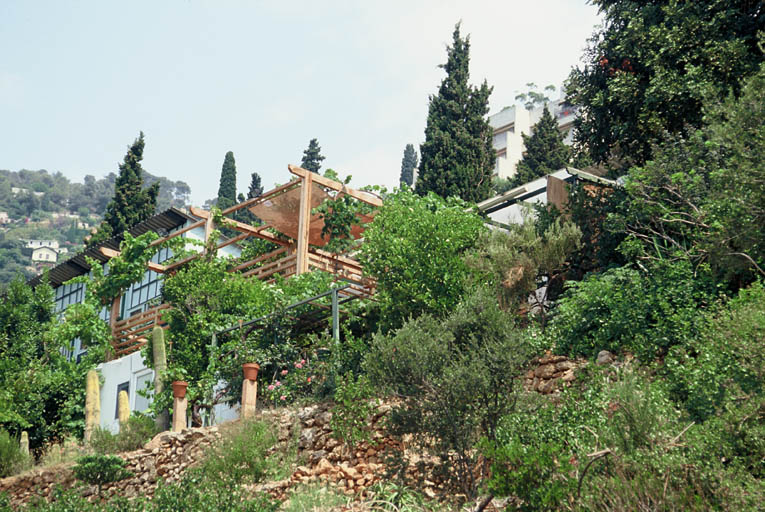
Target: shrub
(12,460)
(624,309)
(132,436)
(352,410)
(99,470)
(241,455)
(457,377)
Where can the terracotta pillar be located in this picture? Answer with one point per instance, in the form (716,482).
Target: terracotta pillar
(180,402)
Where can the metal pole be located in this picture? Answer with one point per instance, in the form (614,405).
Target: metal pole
(335,317)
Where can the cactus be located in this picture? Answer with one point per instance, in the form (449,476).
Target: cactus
(24,444)
(92,403)
(123,408)
(159,357)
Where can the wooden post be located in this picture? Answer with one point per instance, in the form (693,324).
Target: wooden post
(208,231)
(249,389)
(179,413)
(304,224)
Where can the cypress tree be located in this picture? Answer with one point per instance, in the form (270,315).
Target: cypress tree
(312,157)
(545,151)
(256,189)
(227,188)
(408,165)
(457,157)
(131,202)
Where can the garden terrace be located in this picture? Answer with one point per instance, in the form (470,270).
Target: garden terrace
(288,222)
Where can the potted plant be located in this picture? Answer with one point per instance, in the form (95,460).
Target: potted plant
(250,371)
(178,378)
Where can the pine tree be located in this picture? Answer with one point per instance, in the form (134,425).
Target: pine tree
(545,151)
(312,157)
(408,165)
(227,188)
(457,157)
(131,202)
(256,189)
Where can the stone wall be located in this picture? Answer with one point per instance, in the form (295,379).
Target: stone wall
(551,373)
(166,456)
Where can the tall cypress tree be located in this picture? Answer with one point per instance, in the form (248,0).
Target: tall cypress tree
(131,202)
(256,189)
(227,188)
(457,157)
(312,157)
(545,151)
(408,165)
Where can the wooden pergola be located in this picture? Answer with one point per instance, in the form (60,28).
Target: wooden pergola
(288,223)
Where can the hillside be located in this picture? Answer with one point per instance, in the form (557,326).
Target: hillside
(39,205)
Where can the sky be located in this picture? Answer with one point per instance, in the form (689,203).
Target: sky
(80,79)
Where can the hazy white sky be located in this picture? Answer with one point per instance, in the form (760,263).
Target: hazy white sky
(80,79)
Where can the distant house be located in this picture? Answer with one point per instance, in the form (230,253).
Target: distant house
(44,254)
(34,244)
(18,190)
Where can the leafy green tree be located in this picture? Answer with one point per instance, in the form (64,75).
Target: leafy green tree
(532,97)
(227,187)
(457,157)
(408,165)
(545,151)
(312,157)
(702,198)
(649,68)
(131,203)
(414,249)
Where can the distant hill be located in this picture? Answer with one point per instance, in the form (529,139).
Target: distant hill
(48,206)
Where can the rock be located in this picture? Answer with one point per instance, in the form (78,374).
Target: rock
(564,365)
(604,357)
(545,371)
(547,386)
(323,467)
(568,376)
(323,418)
(306,438)
(317,456)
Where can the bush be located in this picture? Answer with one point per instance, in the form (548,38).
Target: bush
(12,461)
(352,410)
(241,455)
(99,470)
(457,376)
(132,436)
(629,310)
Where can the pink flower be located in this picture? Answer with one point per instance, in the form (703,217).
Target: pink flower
(282,397)
(271,387)
(298,365)
(284,372)
(278,383)
(302,361)
(309,380)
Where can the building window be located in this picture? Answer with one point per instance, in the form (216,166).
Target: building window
(125,386)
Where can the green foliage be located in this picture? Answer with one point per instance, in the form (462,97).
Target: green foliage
(242,455)
(647,73)
(536,473)
(99,470)
(701,198)
(726,358)
(532,97)
(457,377)
(12,460)
(133,435)
(457,157)
(408,165)
(340,213)
(519,261)
(227,187)
(352,410)
(627,310)
(312,157)
(394,497)
(414,249)
(131,203)
(545,151)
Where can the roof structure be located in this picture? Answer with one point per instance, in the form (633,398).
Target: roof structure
(78,265)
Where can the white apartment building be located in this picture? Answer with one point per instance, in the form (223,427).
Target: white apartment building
(510,122)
